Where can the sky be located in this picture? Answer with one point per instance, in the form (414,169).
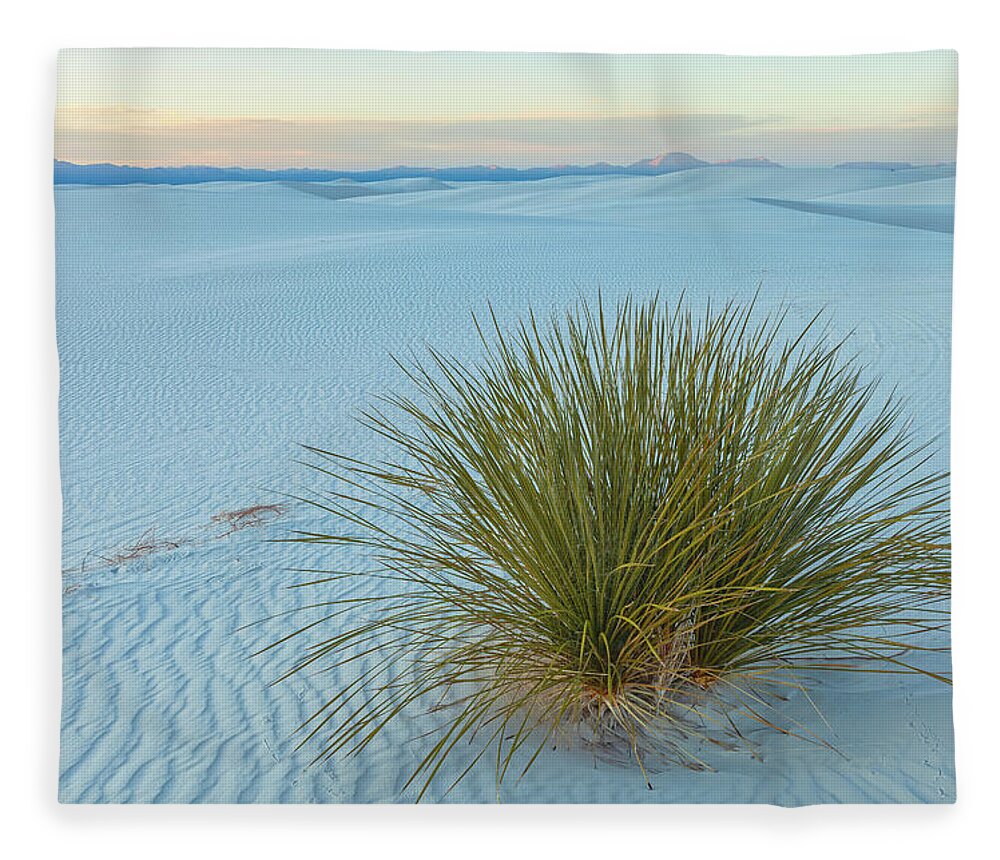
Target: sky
(355,110)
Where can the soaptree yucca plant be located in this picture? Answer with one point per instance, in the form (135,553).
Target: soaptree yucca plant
(622,526)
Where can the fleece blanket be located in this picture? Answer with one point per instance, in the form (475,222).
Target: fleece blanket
(254,246)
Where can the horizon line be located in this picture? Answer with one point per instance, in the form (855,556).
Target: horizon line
(651,160)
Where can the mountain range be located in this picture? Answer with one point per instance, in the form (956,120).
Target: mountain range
(67,172)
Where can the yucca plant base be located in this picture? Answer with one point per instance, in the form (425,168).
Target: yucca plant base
(637,527)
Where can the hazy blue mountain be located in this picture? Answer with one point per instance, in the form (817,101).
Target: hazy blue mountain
(113,174)
(67,172)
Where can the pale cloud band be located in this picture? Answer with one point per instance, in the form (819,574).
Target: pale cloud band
(793,110)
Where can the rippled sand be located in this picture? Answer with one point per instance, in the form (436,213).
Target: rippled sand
(205,330)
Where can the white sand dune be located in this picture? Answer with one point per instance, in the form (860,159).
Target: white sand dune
(205,330)
(342,189)
(937,218)
(940,192)
(792,183)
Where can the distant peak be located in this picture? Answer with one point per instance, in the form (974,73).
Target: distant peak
(671,161)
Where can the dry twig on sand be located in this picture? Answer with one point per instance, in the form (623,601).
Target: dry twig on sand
(251,517)
(146,545)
